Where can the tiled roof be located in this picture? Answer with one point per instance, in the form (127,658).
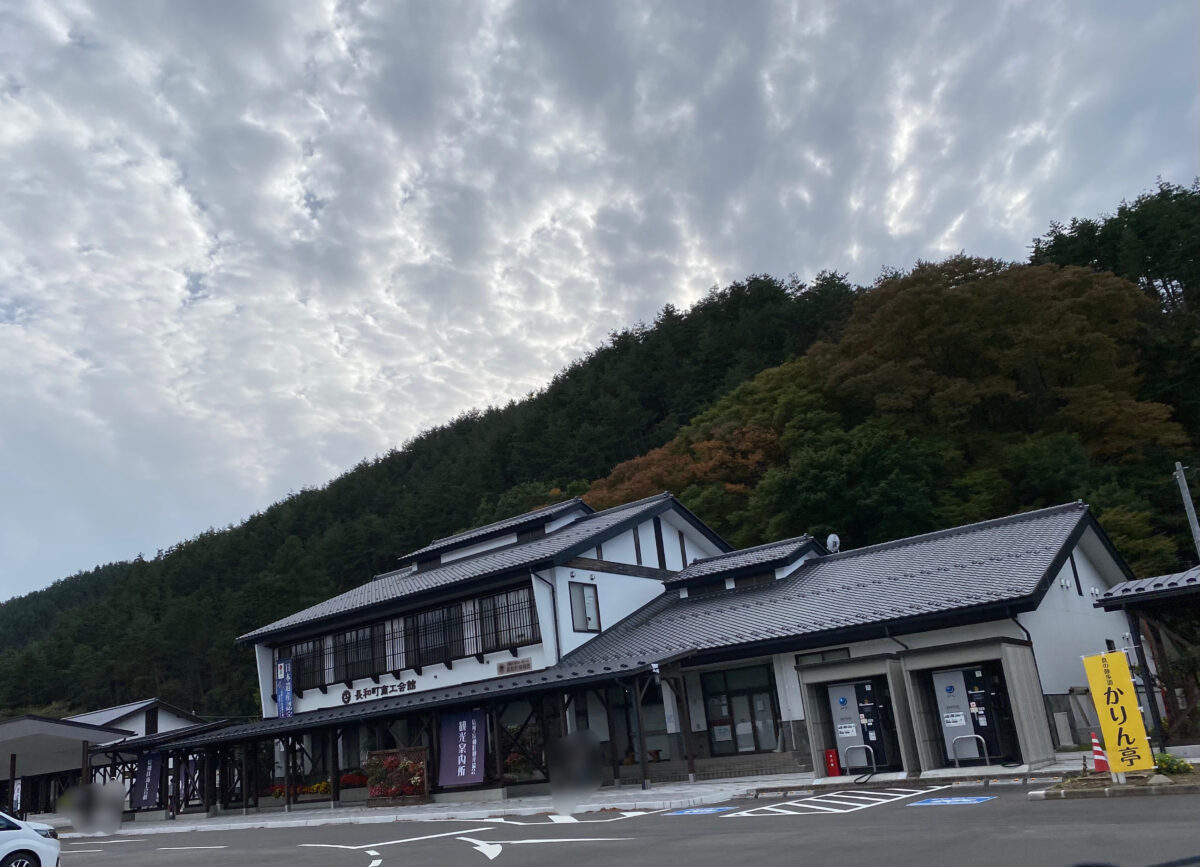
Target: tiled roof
(542,515)
(1150,588)
(769,556)
(401,583)
(990,562)
(549,678)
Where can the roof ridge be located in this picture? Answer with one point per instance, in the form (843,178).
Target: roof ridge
(483,528)
(1015,518)
(643,501)
(798,540)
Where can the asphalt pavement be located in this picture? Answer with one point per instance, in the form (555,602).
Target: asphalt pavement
(894,828)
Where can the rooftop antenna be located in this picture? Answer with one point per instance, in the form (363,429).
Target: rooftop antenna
(833,543)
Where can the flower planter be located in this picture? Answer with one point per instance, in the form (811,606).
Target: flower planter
(397,778)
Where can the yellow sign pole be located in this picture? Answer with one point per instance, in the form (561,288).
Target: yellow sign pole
(1116,703)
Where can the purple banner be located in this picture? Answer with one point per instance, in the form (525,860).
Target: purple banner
(464,740)
(145,784)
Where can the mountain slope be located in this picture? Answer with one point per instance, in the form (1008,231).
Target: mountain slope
(166,626)
(957,391)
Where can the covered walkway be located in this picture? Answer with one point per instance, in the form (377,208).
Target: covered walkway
(44,757)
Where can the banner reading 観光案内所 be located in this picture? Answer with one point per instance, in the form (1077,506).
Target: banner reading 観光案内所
(464,739)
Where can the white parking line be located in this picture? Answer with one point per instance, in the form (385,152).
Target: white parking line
(186,848)
(392,842)
(834,802)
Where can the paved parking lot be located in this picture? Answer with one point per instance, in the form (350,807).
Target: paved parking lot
(917,826)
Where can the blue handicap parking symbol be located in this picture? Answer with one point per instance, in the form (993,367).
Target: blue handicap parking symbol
(699,811)
(948,802)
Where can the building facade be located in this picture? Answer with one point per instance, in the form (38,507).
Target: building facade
(677,655)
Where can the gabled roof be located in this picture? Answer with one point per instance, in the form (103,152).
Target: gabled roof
(1152,589)
(980,570)
(104,716)
(556,547)
(508,525)
(761,558)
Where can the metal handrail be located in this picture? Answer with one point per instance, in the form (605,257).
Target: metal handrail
(870,751)
(982,743)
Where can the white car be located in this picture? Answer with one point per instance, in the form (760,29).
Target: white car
(27,844)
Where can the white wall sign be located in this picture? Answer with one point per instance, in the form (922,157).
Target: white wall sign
(515,666)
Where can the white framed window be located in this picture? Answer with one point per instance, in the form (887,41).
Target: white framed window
(585,607)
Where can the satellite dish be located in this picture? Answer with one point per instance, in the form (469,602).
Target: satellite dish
(833,543)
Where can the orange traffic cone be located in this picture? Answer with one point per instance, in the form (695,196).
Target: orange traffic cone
(1098,757)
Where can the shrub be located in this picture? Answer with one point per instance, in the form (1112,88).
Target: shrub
(1169,764)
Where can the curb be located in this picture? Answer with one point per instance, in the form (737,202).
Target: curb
(470,815)
(950,782)
(1114,792)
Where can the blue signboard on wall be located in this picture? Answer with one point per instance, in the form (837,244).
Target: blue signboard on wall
(283,689)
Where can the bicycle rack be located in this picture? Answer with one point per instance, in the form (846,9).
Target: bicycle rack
(870,752)
(982,743)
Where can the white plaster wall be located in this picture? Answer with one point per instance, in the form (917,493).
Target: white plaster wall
(784,571)
(618,596)
(169,722)
(478,547)
(264,659)
(1066,626)
(787,686)
(563,520)
(468,670)
(696,702)
(597,717)
(620,549)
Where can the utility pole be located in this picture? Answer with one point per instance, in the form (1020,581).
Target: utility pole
(1188,505)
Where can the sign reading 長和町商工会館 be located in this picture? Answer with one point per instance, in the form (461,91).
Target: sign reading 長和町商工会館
(1116,703)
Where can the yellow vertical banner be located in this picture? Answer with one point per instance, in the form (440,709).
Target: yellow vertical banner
(1116,703)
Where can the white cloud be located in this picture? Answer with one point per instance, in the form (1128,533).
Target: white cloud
(243,245)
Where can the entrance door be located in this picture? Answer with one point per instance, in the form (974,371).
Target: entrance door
(741,710)
(765,725)
(743,724)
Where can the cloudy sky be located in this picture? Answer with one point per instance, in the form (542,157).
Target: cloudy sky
(245,244)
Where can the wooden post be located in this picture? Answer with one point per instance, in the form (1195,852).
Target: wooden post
(12,783)
(164,783)
(287,773)
(636,692)
(496,712)
(612,735)
(208,774)
(245,779)
(335,774)
(85,764)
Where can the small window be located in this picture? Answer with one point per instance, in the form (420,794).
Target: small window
(753,581)
(822,656)
(1110,644)
(585,607)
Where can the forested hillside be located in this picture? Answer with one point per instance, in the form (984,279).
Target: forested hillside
(953,392)
(166,625)
(971,388)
